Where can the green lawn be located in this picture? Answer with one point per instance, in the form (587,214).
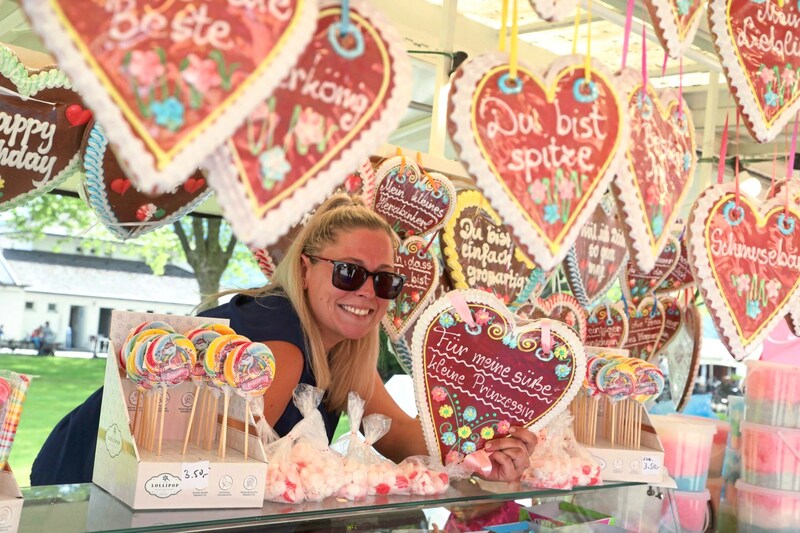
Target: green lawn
(61,385)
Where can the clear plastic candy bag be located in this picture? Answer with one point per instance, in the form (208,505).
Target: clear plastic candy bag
(425,475)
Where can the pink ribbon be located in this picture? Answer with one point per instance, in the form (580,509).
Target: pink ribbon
(478,462)
(547,340)
(627,38)
(722,152)
(461,307)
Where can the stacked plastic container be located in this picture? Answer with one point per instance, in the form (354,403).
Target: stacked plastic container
(731,468)
(687,445)
(768,492)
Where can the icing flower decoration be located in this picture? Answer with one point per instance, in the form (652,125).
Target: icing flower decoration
(415,296)
(310,127)
(470,414)
(561,353)
(767,75)
(658,225)
(503,426)
(202,74)
(464,432)
(753,309)
(551,213)
(566,190)
(733,215)
(453,457)
(274,166)
(687,161)
(439,394)
(683,7)
(487,433)
(146,67)
(447,320)
(562,371)
(446,411)
(788,76)
(448,438)
(405,308)
(652,195)
(398,322)
(482,317)
(743,283)
(510,341)
(537,191)
(391,307)
(773,286)
(468,447)
(168,113)
(770,98)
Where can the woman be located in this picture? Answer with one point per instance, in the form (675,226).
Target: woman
(320,317)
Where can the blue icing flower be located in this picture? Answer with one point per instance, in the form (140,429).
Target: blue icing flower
(733,214)
(683,7)
(563,371)
(447,320)
(658,225)
(770,98)
(168,113)
(391,307)
(274,166)
(687,161)
(468,447)
(449,438)
(753,309)
(510,341)
(551,213)
(470,414)
(405,308)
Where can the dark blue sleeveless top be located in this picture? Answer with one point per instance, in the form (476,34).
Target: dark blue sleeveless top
(273,318)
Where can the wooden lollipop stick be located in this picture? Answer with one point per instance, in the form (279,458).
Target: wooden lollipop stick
(203,415)
(613,423)
(135,412)
(246,427)
(163,416)
(191,418)
(223,440)
(212,424)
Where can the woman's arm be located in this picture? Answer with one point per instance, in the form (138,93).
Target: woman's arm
(288,368)
(404,438)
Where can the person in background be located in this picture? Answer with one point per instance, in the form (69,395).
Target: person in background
(1,332)
(36,338)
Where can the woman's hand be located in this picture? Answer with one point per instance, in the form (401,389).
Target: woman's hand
(510,455)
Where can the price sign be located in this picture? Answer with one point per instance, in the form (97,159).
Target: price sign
(650,466)
(195,475)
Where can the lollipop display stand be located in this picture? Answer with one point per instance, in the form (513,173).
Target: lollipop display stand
(144,478)
(10,501)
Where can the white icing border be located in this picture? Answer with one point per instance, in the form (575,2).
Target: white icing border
(28,83)
(667,29)
(462,92)
(632,215)
(386,167)
(263,231)
(552,10)
(134,157)
(480,297)
(701,268)
(394,333)
(737,79)
(619,308)
(563,299)
(97,193)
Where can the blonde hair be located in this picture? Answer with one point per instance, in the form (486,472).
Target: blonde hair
(352,361)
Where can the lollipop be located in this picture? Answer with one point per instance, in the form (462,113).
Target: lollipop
(131,341)
(214,363)
(201,338)
(222,329)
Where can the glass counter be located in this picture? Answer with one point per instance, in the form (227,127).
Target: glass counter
(467,503)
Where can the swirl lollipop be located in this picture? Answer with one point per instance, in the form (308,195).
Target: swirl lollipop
(133,339)
(616,380)
(214,363)
(201,338)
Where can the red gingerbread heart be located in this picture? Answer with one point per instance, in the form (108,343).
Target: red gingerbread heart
(676,23)
(543,149)
(129,213)
(599,253)
(637,284)
(170,81)
(607,326)
(478,373)
(746,262)
(673,321)
(758,47)
(39,145)
(560,306)
(683,361)
(661,161)
(681,276)
(645,326)
(417,263)
(338,104)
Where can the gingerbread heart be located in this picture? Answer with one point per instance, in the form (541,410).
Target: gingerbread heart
(124,211)
(40,147)
(413,201)
(637,284)
(599,253)
(645,326)
(681,276)
(607,326)
(482,254)
(683,358)
(360,182)
(417,263)
(758,47)
(675,23)
(477,372)
(543,149)
(673,320)
(336,106)
(661,161)
(560,306)
(746,262)
(170,81)
(551,10)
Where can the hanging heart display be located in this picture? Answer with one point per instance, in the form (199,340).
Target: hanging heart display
(681,276)
(607,326)
(551,10)
(637,284)
(417,263)
(561,307)
(660,167)
(759,47)
(683,358)
(124,211)
(673,321)
(337,105)
(41,126)
(170,81)
(360,182)
(543,149)
(645,326)
(482,254)
(675,23)
(477,373)
(411,200)
(599,253)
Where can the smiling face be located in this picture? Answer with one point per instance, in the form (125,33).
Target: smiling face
(341,314)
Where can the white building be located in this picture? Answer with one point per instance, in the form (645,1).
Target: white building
(78,289)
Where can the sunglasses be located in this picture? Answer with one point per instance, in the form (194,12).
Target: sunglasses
(350,277)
